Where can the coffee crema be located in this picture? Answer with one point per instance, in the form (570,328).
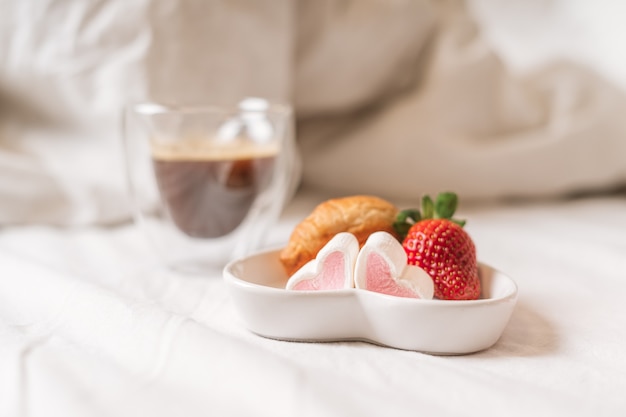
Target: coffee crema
(208,190)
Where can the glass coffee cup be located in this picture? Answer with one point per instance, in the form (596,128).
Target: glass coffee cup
(208,182)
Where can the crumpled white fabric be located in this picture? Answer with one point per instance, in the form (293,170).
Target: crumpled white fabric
(392,98)
(469,122)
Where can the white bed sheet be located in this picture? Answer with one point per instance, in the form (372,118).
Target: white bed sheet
(91,325)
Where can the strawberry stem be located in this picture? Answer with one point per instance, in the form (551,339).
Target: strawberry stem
(404,220)
(443,207)
(428,207)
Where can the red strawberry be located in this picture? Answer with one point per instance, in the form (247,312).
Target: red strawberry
(439,245)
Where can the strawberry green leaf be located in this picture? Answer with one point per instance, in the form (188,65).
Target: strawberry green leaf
(428,207)
(445,205)
(459,222)
(404,220)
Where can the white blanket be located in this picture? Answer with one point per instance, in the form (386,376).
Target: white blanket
(92,325)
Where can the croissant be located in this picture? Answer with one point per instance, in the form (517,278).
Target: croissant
(360,215)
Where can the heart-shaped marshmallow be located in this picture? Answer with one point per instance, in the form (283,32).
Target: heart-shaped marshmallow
(381,266)
(332,269)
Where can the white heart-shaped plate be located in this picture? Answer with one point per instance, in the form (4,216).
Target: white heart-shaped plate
(257,286)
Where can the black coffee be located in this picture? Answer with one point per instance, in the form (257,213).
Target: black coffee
(209,197)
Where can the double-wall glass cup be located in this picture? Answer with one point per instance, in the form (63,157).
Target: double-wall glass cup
(207,183)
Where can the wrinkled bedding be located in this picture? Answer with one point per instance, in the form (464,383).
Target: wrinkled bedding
(91,324)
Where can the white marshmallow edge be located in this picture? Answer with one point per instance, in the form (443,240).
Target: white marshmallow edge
(380,266)
(332,268)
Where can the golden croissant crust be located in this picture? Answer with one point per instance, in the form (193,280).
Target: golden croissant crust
(360,215)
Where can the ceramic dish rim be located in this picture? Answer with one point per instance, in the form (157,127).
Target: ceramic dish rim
(229,274)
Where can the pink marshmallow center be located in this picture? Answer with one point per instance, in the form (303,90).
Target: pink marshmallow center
(330,277)
(379,279)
